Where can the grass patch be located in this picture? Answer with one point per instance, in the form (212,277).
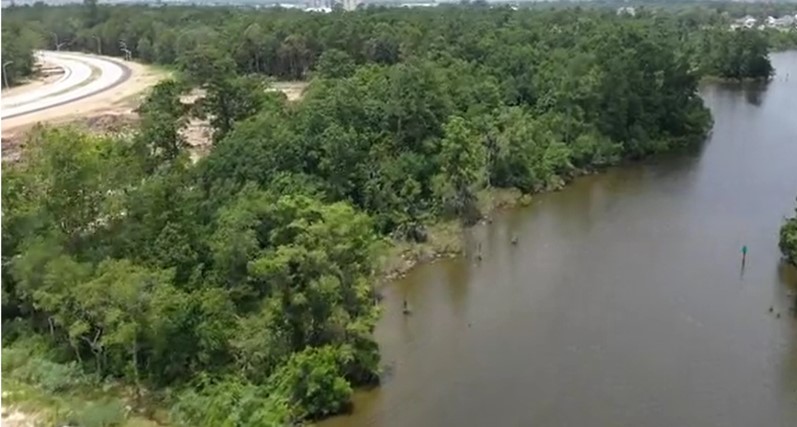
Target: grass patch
(445,238)
(86,407)
(39,391)
(490,200)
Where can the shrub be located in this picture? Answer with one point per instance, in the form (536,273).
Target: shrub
(50,376)
(312,381)
(26,361)
(229,402)
(788,240)
(108,413)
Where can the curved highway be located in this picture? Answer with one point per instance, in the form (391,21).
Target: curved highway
(84,76)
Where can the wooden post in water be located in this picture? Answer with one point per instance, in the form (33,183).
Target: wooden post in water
(744,254)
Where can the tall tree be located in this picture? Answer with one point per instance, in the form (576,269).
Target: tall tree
(462,170)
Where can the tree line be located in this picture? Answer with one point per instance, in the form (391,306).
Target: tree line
(18,44)
(244,284)
(288,44)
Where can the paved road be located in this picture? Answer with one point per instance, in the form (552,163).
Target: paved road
(84,76)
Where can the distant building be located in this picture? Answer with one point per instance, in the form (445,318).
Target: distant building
(746,22)
(784,21)
(418,5)
(318,5)
(628,10)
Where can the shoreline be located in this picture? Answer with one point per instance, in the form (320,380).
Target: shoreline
(445,237)
(709,80)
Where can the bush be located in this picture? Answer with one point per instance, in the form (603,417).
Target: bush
(26,361)
(14,329)
(788,239)
(309,385)
(102,414)
(312,381)
(50,376)
(229,402)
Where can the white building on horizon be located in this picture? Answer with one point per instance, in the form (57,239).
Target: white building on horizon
(350,5)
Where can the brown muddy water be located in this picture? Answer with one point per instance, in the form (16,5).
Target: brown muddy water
(623,303)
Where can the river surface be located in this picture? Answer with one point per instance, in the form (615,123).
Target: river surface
(623,303)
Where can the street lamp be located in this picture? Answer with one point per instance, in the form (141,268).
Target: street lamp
(57,44)
(99,44)
(123,48)
(5,75)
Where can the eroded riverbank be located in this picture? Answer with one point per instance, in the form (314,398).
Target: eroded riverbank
(623,303)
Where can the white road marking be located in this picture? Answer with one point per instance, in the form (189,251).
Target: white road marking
(76,85)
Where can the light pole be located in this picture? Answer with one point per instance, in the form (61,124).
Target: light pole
(5,75)
(99,44)
(58,44)
(123,48)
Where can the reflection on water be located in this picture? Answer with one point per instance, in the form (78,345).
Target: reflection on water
(787,274)
(754,93)
(622,302)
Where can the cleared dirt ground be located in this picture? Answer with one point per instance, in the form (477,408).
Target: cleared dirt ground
(114,111)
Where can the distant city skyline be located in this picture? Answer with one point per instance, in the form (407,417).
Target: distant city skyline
(351,4)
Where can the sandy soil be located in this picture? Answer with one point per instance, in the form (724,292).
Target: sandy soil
(198,133)
(114,111)
(293,90)
(16,418)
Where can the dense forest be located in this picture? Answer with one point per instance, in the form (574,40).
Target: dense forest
(289,44)
(788,239)
(18,42)
(240,289)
